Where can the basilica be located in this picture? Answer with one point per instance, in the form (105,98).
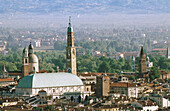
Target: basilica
(59,84)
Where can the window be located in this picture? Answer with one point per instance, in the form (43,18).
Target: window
(87,89)
(25,60)
(53,90)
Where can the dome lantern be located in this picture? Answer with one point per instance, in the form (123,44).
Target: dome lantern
(31,48)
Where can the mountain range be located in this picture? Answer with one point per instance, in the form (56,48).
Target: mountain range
(85,6)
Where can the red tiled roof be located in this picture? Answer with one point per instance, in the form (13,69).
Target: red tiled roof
(147,103)
(123,85)
(159,49)
(6,79)
(131,53)
(15,73)
(94,74)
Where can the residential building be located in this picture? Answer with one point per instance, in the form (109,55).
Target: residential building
(125,89)
(145,105)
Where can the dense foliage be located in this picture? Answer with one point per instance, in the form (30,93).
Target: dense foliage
(154,73)
(54,60)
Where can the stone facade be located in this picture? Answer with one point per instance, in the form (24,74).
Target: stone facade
(142,63)
(102,85)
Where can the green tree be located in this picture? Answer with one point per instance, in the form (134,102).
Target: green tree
(131,78)
(59,45)
(104,67)
(48,108)
(154,73)
(36,109)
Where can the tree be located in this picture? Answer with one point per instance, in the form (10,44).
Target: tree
(58,45)
(48,108)
(132,78)
(104,67)
(154,73)
(36,109)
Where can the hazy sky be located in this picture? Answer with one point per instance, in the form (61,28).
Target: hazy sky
(38,13)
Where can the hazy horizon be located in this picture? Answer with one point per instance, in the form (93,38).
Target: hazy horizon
(55,13)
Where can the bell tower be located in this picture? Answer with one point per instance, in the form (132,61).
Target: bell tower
(25,63)
(142,62)
(71,50)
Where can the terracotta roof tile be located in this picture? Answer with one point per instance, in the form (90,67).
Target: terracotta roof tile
(6,79)
(123,85)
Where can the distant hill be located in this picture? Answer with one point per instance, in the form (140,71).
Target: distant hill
(84,6)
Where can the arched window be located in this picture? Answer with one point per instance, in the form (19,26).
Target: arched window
(72,98)
(79,99)
(26,61)
(86,98)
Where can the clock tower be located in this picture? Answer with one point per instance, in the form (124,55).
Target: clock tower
(71,50)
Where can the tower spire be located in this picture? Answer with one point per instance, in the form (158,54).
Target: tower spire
(70,29)
(142,54)
(69,20)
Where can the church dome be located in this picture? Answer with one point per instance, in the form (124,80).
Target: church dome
(33,58)
(41,80)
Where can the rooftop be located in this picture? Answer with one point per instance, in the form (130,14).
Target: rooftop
(123,85)
(40,80)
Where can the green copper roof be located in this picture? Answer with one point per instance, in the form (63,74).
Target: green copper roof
(26,82)
(41,80)
(30,46)
(69,29)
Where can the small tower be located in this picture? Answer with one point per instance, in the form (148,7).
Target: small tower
(25,62)
(167,53)
(133,63)
(102,85)
(71,51)
(142,62)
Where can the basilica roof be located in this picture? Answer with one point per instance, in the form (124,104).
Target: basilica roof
(41,80)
